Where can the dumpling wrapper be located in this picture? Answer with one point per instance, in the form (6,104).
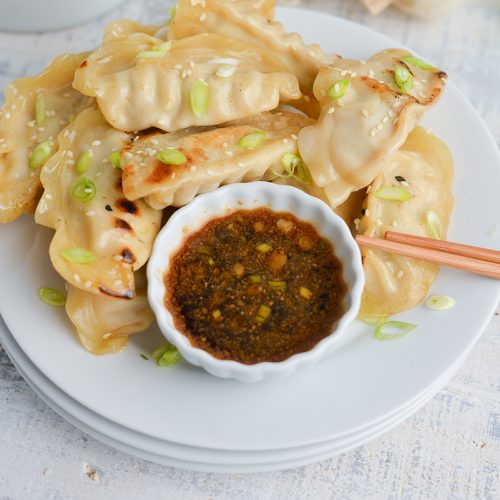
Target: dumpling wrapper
(213,158)
(19,134)
(395,283)
(103,324)
(230,18)
(118,232)
(136,93)
(344,149)
(121,28)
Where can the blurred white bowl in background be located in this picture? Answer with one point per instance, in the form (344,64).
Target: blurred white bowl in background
(44,15)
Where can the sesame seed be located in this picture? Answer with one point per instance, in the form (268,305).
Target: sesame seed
(294,137)
(203,17)
(400,274)
(178,66)
(284,141)
(87,284)
(390,113)
(405,184)
(191,64)
(70,154)
(118,258)
(367,212)
(364,112)
(90,213)
(106,335)
(371,74)
(343,72)
(241,164)
(224,144)
(184,73)
(395,223)
(331,111)
(428,130)
(373,132)
(384,120)
(96,143)
(91,153)
(193,168)
(379,126)
(154,141)
(31,123)
(76,278)
(127,154)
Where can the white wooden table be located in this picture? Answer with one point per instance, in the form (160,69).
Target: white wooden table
(449,449)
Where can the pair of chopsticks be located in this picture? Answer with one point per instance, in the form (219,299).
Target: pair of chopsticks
(468,258)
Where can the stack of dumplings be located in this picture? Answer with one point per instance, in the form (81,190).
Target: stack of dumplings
(101,144)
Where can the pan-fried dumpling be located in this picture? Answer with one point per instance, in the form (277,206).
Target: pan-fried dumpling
(230,18)
(203,159)
(202,80)
(370,121)
(22,129)
(265,7)
(101,237)
(424,169)
(103,324)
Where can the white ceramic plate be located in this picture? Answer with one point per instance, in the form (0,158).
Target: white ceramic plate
(358,387)
(190,457)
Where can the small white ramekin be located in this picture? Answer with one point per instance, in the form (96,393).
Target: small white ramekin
(248,196)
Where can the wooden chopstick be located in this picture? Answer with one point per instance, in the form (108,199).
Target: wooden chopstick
(445,246)
(445,258)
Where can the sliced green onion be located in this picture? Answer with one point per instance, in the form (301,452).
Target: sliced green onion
(374,320)
(305,292)
(264,247)
(216,314)
(115,159)
(211,261)
(338,89)
(41,154)
(225,70)
(295,168)
(169,358)
(433,224)
(440,302)
(262,314)
(255,278)
(396,193)
(252,140)
(83,190)
(40,109)
(83,162)
(404,79)
(277,285)
(159,351)
(51,297)
(171,156)
(149,54)
(162,47)
(199,98)
(418,63)
(78,255)
(386,331)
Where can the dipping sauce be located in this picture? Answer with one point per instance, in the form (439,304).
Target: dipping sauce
(255,285)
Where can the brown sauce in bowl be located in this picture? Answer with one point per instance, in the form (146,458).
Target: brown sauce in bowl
(255,285)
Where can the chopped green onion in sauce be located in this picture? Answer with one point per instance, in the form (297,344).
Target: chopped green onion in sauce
(404,79)
(440,302)
(40,109)
(264,247)
(252,140)
(41,154)
(115,159)
(83,190)
(225,70)
(433,225)
(277,285)
(199,97)
(305,293)
(216,314)
(255,278)
(51,296)
(338,89)
(262,314)
(396,193)
(392,330)
(83,162)
(171,156)
(78,255)
(418,63)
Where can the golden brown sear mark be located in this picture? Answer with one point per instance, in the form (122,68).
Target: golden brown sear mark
(122,224)
(128,256)
(127,295)
(127,206)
